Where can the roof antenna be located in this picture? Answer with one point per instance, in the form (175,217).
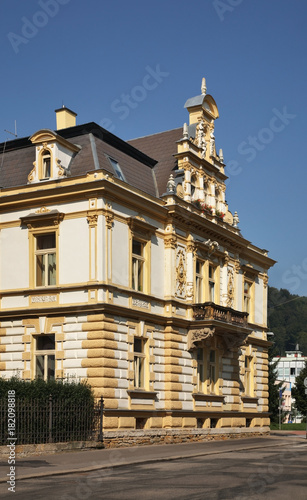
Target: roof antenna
(4,147)
(12,133)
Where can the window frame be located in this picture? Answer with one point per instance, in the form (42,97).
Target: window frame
(249,375)
(206,382)
(140,364)
(45,253)
(212,281)
(33,234)
(138,261)
(117,169)
(199,281)
(44,154)
(46,354)
(212,381)
(248,299)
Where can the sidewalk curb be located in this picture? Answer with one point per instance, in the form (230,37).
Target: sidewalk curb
(138,462)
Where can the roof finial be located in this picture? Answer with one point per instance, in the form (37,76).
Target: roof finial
(221,156)
(171,184)
(235,219)
(203,86)
(185,131)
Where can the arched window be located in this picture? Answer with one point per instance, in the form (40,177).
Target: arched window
(45,164)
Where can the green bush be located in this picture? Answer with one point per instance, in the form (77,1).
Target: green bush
(54,411)
(41,389)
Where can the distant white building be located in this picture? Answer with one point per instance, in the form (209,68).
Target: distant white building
(288,368)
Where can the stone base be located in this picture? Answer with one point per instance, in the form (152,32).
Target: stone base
(119,439)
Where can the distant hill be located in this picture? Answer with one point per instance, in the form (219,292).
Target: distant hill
(287,318)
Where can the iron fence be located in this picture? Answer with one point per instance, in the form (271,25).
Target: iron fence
(52,421)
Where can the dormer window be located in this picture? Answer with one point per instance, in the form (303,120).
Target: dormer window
(117,169)
(53,155)
(46,165)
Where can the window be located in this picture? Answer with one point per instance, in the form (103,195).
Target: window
(46,165)
(249,386)
(200,370)
(292,371)
(211,283)
(45,259)
(199,281)
(247,296)
(206,370)
(212,371)
(193,187)
(117,169)
(139,362)
(45,357)
(138,265)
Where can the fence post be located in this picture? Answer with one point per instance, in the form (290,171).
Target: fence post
(100,436)
(50,418)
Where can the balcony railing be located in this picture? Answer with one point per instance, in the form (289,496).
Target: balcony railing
(213,312)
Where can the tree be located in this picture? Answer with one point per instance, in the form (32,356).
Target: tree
(274,387)
(298,392)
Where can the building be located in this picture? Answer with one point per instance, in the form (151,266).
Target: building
(121,264)
(288,368)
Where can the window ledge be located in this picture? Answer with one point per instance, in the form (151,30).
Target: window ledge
(142,393)
(249,399)
(199,396)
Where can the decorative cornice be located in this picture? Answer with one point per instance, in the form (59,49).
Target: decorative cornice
(139,225)
(44,218)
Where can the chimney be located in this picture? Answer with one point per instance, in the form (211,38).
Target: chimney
(65,118)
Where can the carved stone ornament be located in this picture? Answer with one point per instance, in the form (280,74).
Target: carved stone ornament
(237,266)
(265,280)
(226,258)
(212,144)
(179,190)
(234,341)
(230,287)
(170,241)
(109,216)
(31,174)
(199,336)
(200,133)
(203,147)
(212,246)
(181,273)
(92,219)
(61,170)
(42,210)
(190,290)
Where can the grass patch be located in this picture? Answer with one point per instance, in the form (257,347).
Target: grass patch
(288,427)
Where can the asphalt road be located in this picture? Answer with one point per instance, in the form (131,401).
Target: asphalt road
(255,474)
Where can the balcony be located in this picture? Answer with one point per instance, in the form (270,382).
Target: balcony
(211,312)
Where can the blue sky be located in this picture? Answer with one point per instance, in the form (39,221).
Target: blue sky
(130,66)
